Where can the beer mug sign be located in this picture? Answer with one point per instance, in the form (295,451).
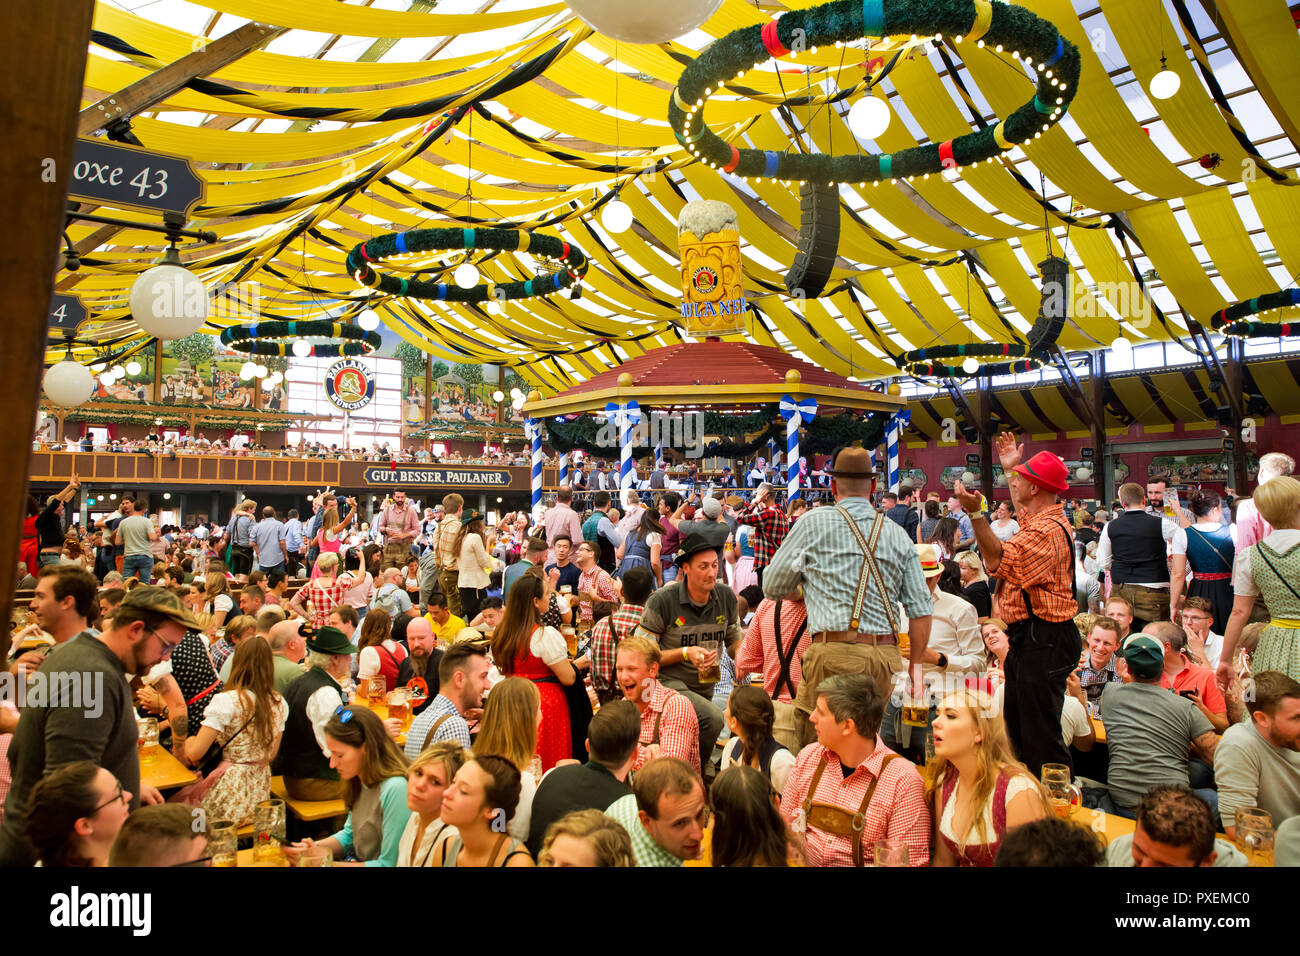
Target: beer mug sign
(713,292)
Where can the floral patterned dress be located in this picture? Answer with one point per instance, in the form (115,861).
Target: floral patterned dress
(246,778)
(1277,575)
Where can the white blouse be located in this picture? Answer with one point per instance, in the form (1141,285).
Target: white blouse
(435,833)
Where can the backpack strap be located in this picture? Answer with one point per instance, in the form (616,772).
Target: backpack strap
(434,729)
(785,656)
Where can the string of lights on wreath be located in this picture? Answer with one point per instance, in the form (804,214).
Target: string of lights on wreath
(282,338)
(1234,320)
(926,362)
(1037,42)
(467,288)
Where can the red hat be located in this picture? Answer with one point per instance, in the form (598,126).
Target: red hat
(1047,471)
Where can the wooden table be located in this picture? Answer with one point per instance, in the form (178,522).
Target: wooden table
(166,772)
(1098,729)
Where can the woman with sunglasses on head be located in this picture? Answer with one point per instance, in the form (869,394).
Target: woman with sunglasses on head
(479,804)
(74,815)
(373,769)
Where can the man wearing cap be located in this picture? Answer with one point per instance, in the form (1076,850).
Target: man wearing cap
(304,760)
(711,526)
(696,607)
(856,566)
(89,713)
(1150,731)
(1035,571)
(1132,547)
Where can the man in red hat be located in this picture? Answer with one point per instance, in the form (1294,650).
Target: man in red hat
(1035,572)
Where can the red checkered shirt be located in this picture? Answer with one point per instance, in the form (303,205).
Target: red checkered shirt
(597,581)
(758,649)
(324,597)
(770,526)
(679,730)
(605,638)
(897,809)
(1040,559)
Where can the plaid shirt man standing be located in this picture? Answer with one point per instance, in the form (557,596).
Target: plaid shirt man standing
(770,526)
(448,574)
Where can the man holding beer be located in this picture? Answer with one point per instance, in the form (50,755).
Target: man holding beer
(400,526)
(693,620)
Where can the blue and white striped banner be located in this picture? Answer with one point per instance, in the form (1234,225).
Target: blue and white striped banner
(893,437)
(796,412)
(533,429)
(626,418)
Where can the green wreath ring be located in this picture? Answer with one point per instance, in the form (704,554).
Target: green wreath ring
(277,338)
(920,363)
(1054,59)
(1234,319)
(543,246)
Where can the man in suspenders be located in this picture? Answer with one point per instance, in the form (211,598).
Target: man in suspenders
(848,789)
(462,681)
(774,645)
(1035,572)
(856,566)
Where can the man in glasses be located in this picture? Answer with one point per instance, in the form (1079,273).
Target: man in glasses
(78,706)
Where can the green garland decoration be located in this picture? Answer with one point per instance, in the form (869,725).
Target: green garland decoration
(543,246)
(920,363)
(1054,59)
(277,338)
(1233,320)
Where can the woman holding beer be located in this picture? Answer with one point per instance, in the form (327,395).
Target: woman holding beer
(484,790)
(426,783)
(373,769)
(523,647)
(979,789)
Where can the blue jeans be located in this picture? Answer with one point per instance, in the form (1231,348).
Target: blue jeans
(670,572)
(138,565)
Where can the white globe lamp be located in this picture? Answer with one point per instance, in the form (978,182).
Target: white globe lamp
(634,21)
(267,384)
(516,393)
(247,371)
(107,379)
(970,366)
(869,117)
(368,320)
(262,371)
(168,301)
(1083,474)
(118,371)
(616,217)
(68,383)
(1165,83)
(518,403)
(466,275)
(1121,346)
(133,368)
(498,396)
(968,478)
(302,348)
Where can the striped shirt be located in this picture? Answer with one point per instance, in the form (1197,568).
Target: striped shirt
(897,810)
(453,728)
(821,553)
(1040,559)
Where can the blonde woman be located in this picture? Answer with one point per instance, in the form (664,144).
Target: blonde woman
(1271,568)
(979,790)
(586,838)
(329,538)
(427,780)
(511,718)
(218,602)
(975,583)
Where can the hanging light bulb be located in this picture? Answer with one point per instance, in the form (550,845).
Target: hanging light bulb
(168,301)
(518,403)
(516,393)
(132,368)
(108,379)
(302,348)
(1165,83)
(276,378)
(498,396)
(98,367)
(267,385)
(247,370)
(1121,346)
(369,319)
(69,383)
(494,307)
(466,275)
(970,366)
(616,217)
(262,371)
(869,117)
(118,371)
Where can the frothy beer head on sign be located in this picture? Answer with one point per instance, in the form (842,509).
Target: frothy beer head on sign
(713,294)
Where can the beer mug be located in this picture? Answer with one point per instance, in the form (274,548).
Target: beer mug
(1064,797)
(890,853)
(268,831)
(399,706)
(223,842)
(1255,836)
(316,856)
(570,639)
(709,673)
(148,740)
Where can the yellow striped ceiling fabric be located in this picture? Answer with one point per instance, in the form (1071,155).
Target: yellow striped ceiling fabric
(905,243)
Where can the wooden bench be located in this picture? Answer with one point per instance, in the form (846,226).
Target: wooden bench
(308,810)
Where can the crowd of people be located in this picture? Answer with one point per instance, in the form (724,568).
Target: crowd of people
(660,677)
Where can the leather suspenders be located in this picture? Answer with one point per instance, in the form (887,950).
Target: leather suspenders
(869,570)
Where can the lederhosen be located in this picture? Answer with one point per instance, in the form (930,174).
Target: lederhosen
(1038,746)
(836,820)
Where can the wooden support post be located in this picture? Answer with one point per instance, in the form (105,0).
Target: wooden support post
(42,65)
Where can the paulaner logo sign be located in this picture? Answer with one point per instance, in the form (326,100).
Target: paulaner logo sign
(434,477)
(349,385)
